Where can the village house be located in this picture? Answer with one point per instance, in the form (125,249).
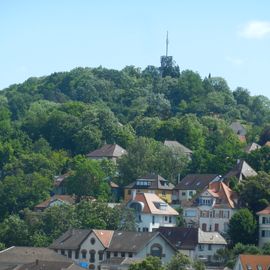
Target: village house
(89,248)
(241,171)
(211,209)
(239,130)
(108,151)
(264,226)
(195,243)
(190,185)
(252,262)
(151,183)
(151,212)
(178,148)
(34,258)
(252,147)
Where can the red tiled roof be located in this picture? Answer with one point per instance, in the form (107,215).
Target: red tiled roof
(65,198)
(254,261)
(265,211)
(105,237)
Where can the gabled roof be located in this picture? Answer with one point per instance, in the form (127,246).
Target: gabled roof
(155,182)
(21,255)
(58,180)
(68,199)
(124,241)
(251,262)
(252,147)
(108,150)
(181,237)
(104,236)
(44,265)
(213,238)
(152,204)
(265,211)
(238,128)
(225,195)
(71,239)
(176,146)
(241,171)
(196,181)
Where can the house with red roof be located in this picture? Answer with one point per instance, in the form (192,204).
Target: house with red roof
(252,262)
(212,208)
(152,212)
(264,226)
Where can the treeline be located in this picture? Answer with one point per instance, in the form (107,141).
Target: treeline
(48,124)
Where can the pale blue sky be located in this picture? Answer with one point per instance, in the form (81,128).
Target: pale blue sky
(227,38)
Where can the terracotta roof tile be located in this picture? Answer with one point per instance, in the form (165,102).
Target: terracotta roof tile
(105,236)
(65,198)
(265,211)
(255,260)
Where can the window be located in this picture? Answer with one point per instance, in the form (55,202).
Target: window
(166,218)
(70,253)
(153,219)
(216,227)
(183,193)
(108,254)
(123,254)
(100,255)
(209,247)
(84,253)
(204,227)
(259,267)
(130,255)
(92,240)
(145,229)
(129,192)
(115,254)
(156,250)
(77,254)
(201,247)
(190,193)
(190,213)
(265,233)
(170,219)
(92,255)
(163,192)
(63,252)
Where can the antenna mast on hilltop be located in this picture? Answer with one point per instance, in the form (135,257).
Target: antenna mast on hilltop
(167,43)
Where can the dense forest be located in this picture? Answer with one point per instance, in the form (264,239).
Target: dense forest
(48,124)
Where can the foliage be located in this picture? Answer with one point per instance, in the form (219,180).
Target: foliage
(149,263)
(243,227)
(179,262)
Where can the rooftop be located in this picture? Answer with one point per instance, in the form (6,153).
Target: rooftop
(211,238)
(108,150)
(176,146)
(255,262)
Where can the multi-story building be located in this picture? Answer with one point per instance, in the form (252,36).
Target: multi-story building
(212,208)
(151,183)
(264,226)
(190,185)
(89,248)
(252,262)
(152,212)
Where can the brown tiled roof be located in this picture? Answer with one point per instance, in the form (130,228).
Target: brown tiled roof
(151,203)
(175,145)
(108,150)
(105,236)
(181,237)
(65,198)
(58,180)
(254,261)
(124,241)
(71,239)
(195,181)
(44,265)
(265,211)
(22,255)
(156,182)
(241,170)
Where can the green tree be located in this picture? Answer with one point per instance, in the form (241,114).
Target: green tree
(149,263)
(243,227)
(179,262)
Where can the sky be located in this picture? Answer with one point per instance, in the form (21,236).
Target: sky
(227,38)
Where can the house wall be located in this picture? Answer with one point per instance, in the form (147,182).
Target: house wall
(184,195)
(205,252)
(188,252)
(160,220)
(165,195)
(238,265)
(88,246)
(264,229)
(167,250)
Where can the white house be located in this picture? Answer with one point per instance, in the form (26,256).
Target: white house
(152,212)
(195,243)
(212,209)
(90,248)
(264,226)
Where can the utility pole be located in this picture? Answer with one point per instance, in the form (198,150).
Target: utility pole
(167,44)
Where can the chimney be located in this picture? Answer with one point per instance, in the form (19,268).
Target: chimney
(133,194)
